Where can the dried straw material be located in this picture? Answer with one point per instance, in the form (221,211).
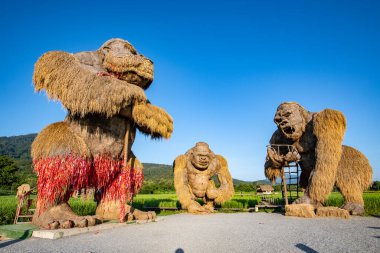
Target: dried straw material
(181,183)
(301,109)
(81,90)
(265,188)
(227,188)
(272,173)
(184,187)
(22,189)
(329,128)
(58,140)
(103,91)
(133,63)
(354,175)
(152,120)
(331,211)
(60,176)
(300,210)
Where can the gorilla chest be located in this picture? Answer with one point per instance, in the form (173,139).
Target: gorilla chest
(306,148)
(199,182)
(102,135)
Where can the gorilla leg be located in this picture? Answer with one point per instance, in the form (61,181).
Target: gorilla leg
(304,178)
(354,175)
(58,177)
(120,190)
(211,194)
(304,183)
(353,199)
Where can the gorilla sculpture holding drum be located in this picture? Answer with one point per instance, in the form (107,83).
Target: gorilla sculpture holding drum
(324,161)
(193,179)
(103,91)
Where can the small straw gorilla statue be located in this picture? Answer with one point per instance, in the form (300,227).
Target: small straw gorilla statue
(103,91)
(193,178)
(324,161)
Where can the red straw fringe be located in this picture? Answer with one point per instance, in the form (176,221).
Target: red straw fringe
(58,177)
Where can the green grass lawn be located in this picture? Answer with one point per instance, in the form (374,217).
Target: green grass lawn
(8,204)
(18,231)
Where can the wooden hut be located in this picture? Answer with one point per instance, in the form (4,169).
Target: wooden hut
(265,189)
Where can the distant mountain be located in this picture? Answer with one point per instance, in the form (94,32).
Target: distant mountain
(154,172)
(238,181)
(18,147)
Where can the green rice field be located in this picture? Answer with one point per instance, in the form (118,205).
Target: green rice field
(165,204)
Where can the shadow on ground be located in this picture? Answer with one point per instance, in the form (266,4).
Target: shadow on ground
(305,248)
(10,242)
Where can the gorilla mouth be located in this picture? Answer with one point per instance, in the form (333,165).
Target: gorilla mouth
(131,77)
(134,69)
(288,130)
(202,165)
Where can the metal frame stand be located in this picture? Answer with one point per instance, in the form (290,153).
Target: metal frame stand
(290,172)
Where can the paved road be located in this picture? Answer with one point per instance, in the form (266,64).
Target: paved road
(238,232)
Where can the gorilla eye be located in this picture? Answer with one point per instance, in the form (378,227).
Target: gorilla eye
(130,48)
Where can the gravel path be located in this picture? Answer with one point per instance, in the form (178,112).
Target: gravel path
(238,232)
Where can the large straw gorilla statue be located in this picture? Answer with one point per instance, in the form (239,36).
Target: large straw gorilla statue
(325,162)
(103,92)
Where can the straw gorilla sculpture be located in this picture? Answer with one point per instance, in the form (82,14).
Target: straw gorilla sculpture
(103,92)
(193,174)
(325,162)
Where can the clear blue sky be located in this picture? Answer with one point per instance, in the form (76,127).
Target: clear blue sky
(221,68)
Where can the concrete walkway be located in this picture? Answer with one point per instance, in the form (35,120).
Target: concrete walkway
(237,232)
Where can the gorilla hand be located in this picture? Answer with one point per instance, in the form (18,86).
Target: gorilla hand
(277,159)
(196,208)
(292,156)
(212,193)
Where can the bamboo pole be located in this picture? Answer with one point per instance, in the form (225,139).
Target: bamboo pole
(284,185)
(126,143)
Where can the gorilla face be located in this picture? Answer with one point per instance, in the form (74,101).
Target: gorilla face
(121,60)
(290,120)
(201,157)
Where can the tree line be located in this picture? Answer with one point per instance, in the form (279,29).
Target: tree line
(158,178)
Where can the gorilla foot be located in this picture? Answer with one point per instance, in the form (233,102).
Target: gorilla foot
(196,208)
(62,216)
(138,215)
(209,207)
(110,210)
(354,208)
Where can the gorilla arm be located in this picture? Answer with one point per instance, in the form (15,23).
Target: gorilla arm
(80,89)
(329,128)
(152,120)
(274,161)
(182,187)
(226,189)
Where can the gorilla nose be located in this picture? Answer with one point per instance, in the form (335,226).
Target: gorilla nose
(278,120)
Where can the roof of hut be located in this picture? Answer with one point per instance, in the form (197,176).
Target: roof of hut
(265,188)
